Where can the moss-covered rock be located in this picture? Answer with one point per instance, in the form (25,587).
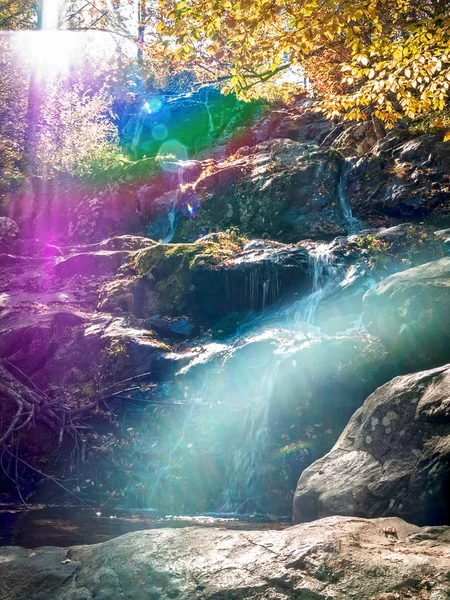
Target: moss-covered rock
(172,268)
(367,257)
(400,247)
(220,274)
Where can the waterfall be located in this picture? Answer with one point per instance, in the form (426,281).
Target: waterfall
(353,224)
(172,213)
(231,391)
(172,221)
(325,276)
(244,484)
(245,478)
(261,286)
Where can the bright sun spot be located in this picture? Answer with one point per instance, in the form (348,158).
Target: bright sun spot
(50,51)
(49,14)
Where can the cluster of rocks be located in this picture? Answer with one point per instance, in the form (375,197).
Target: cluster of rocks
(77,320)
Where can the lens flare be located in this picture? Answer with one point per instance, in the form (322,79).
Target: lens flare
(159,132)
(170,154)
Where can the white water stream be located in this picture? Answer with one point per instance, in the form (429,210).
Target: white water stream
(353,224)
(245,482)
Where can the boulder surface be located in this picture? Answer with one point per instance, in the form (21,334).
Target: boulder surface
(408,311)
(392,459)
(336,558)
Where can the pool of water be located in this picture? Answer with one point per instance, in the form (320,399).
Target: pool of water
(40,525)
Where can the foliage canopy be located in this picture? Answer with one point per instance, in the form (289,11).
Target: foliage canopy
(385,57)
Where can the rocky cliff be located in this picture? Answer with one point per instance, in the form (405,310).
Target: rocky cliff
(205,328)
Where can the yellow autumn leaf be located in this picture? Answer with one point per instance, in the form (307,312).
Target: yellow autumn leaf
(381,45)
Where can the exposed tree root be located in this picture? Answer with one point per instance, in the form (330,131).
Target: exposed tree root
(24,407)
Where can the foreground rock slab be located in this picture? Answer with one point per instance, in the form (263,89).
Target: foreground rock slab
(335,558)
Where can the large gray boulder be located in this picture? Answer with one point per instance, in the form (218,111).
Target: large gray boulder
(392,459)
(409,311)
(337,558)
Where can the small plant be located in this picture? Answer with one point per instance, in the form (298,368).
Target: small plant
(399,170)
(378,250)
(116,349)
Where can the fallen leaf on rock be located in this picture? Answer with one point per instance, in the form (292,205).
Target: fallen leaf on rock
(391,531)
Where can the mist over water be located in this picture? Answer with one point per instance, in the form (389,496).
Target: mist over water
(229,390)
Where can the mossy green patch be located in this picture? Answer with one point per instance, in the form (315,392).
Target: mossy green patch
(171,266)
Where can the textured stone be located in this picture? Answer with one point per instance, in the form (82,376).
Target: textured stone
(393,458)
(409,311)
(337,558)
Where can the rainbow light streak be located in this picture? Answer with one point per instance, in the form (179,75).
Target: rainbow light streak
(62,57)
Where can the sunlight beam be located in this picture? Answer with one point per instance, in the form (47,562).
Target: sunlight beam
(49,14)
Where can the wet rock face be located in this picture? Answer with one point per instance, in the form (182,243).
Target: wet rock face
(296,123)
(333,558)
(408,311)
(49,328)
(358,139)
(444,235)
(369,256)
(213,277)
(281,189)
(392,458)
(403,179)
(72,351)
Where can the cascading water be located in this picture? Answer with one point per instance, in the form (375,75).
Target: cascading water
(325,277)
(218,452)
(353,224)
(172,221)
(244,478)
(244,484)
